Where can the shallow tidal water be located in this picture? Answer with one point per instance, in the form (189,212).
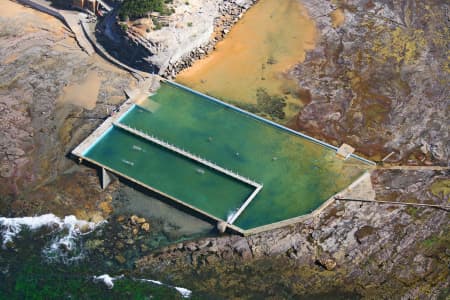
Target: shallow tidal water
(258,51)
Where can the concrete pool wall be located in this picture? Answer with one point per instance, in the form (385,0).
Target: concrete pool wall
(247,207)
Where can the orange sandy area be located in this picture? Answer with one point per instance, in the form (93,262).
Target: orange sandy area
(83,94)
(271,37)
(10,9)
(337,18)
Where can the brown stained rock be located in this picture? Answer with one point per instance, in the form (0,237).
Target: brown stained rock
(140,220)
(363,233)
(212,259)
(242,248)
(120,219)
(106,207)
(145,227)
(120,259)
(133,219)
(203,244)
(375,74)
(327,263)
(190,247)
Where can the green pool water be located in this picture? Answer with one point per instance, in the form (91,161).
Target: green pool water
(170,173)
(298,175)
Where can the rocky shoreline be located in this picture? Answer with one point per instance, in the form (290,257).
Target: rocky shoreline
(352,249)
(229,13)
(363,249)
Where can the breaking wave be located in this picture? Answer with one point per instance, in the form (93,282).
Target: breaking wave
(64,246)
(109,282)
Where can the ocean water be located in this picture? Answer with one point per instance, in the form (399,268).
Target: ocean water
(46,257)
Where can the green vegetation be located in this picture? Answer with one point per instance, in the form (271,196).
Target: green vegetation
(441,188)
(412,211)
(134,9)
(266,105)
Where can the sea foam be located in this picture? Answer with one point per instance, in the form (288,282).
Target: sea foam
(62,245)
(185,293)
(109,282)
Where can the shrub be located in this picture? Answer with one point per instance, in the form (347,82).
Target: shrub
(139,8)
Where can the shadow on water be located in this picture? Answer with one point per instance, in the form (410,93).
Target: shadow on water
(151,195)
(168,202)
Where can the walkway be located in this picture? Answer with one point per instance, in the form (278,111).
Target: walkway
(443,207)
(91,37)
(69,18)
(415,168)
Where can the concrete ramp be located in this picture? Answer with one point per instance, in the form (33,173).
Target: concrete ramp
(106,6)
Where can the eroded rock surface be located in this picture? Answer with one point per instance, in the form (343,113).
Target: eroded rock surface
(365,249)
(39,60)
(379,81)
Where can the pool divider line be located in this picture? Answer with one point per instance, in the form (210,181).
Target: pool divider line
(263,119)
(244,206)
(198,159)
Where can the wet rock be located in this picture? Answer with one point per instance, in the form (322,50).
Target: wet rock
(129,241)
(363,233)
(145,227)
(120,259)
(135,231)
(144,248)
(93,244)
(140,220)
(119,245)
(120,219)
(327,263)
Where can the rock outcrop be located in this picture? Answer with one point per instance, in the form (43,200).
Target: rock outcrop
(40,61)
(362,248)
(379,81)
(191,32)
